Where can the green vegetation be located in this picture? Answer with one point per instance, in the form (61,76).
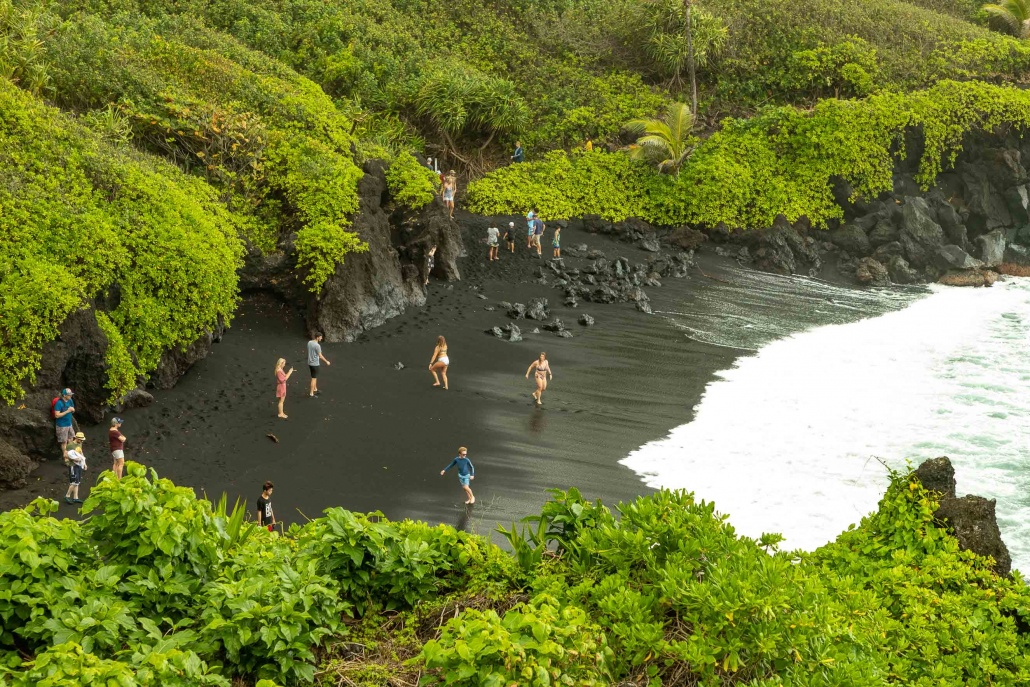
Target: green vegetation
(411,184)
(79,215)
(257,116)
(155,587)
(780,162)
(1014,14)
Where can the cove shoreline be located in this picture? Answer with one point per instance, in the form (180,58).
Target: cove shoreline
(377,437)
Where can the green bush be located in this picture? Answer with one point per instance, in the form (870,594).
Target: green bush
(783,161)
(411,184)
(80,215)
(155,587)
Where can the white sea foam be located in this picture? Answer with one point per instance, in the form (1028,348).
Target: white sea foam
(786,440)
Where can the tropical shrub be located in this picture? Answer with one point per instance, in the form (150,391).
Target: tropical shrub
(782,162)
(155,587)
(79,215)
(411,184)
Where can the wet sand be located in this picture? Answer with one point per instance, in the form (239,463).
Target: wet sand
(377,437)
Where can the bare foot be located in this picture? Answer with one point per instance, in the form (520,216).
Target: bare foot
(472,501)
(284,416)
(437,384)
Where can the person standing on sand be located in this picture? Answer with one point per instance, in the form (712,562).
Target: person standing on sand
(314,358)
(280,385)
(509,237)
(538,234)
(116,440)
(450,185)
(556,242)
(265,516)
(543,373)
(466,472)
(63,408)
(530,225)
(493,235)
(440,362)
(76,461)
(430,263)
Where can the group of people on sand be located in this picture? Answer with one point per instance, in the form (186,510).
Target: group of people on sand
(72,442)
(439,362)
(534,237)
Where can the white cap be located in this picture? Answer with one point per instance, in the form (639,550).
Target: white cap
(511,224)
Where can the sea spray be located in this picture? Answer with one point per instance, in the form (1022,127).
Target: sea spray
(789,439)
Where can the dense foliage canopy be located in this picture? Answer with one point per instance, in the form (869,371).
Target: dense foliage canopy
(155,587)
(783,161)
(219,125)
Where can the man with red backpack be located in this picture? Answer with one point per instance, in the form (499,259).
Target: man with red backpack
(62,408)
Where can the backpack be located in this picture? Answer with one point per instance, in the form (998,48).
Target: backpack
(53,407)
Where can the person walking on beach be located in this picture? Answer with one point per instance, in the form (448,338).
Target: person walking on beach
(62,408)
(493,235)
(466,472)
(543,373)
(556,242)
(116,440)
(76,460)
(430,263)
(509,237)
(439,362)
(265,516)
(280,383)
(450,184)
(315,357)
(538,233)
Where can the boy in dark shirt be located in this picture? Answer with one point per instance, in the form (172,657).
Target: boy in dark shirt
(466,472)
(265,516)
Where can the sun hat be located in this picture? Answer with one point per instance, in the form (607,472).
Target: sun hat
(80,436)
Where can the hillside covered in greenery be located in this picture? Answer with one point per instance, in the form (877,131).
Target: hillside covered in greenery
(145,146)
(155,587)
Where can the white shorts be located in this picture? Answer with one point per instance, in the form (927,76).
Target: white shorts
(444,359)
(118,455)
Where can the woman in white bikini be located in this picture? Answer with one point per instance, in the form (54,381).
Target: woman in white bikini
(450,184)
(543,373)
(440,361)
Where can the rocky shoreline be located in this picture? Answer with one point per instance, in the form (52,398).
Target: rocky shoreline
(971,227)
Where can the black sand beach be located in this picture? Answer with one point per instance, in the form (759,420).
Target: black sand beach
(377,437)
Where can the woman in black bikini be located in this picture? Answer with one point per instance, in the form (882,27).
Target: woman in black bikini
(543,373)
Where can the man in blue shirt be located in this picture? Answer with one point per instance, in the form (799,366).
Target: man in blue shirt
(519,155)
(63,409)
(466,472)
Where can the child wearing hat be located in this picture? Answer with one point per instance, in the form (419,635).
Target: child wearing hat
(76,461)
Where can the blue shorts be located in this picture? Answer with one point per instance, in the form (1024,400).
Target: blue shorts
(74,474)
(464,479)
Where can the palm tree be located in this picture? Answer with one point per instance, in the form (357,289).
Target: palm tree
(668,141)
(1014,13)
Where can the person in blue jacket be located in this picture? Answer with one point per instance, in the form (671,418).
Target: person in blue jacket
(466,472)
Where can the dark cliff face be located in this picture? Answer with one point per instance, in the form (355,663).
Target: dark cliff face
(366,291)
(974,223)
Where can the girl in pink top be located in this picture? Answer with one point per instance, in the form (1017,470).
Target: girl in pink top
(543,373)
(280,387)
